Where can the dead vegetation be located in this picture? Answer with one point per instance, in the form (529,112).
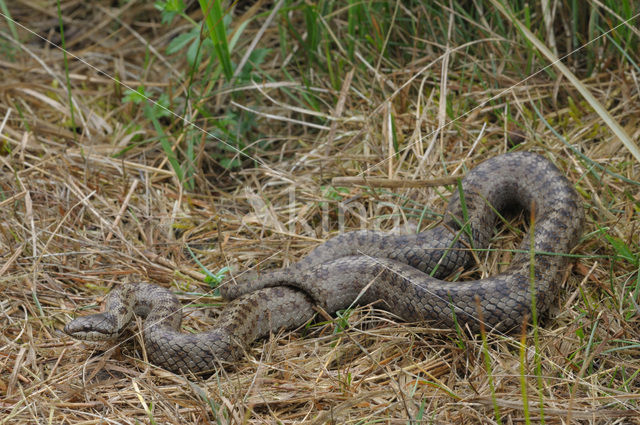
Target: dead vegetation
(90,200)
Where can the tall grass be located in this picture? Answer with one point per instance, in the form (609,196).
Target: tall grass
(317,43)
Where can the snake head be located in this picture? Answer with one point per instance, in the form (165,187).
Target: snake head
(96,327)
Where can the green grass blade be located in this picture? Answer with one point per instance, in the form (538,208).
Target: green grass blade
(66,67)
(166,147)
(217,33)
(523,375)
(534,311)
(10,24)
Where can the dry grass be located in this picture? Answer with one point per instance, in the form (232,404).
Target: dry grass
(87,208)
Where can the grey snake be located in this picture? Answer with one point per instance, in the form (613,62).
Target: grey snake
(402,272)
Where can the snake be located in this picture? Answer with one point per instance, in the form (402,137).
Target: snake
(403,273)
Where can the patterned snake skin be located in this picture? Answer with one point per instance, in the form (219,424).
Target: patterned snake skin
(402,272)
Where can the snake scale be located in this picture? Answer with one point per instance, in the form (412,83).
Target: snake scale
(402,272)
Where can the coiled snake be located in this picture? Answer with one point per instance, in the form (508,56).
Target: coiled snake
(403,272)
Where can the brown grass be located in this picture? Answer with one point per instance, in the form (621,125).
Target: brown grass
(77,220)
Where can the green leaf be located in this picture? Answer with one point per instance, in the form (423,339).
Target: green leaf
(170,9)
(195,51)
(135,96)
(181,41)
(622,249)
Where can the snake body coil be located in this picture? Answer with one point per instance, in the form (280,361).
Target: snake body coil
(403,271)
